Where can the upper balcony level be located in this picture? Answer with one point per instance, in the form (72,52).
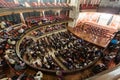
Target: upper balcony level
(10,7)
(6,11)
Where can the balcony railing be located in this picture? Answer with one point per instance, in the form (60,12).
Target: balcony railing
(88,6)
(34,8)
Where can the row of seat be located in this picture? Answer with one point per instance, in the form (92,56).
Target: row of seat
(6,4)
(46,19)
(89,6)
(14,32)
(68,50)
(48,4)
(41,31)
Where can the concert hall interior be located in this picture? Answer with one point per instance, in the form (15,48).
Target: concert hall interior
(59,40)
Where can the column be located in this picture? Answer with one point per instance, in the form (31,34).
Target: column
(75,12)
(16,2)
(58,12)
(43,12)
(67,12)
(22,18)
(55,1)
(39,2)
(68,1)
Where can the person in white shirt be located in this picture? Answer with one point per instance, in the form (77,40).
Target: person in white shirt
(21,30)
(38,62)
(3,24)
(11,61)
(39,75)
(11,42)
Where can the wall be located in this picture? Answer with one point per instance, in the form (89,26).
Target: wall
(75,12)
(107,20)
(105,3)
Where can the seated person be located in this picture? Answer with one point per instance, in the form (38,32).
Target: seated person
(114,41)
(113,44)
(117,58)
(99,67)
(20,65)
(38,75)
(12,42)
(36,62)
(21,30)
(11,61)
(2,24)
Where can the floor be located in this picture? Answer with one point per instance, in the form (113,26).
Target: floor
(81,75)
(108,75)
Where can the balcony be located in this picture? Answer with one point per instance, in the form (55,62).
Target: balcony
(88,6)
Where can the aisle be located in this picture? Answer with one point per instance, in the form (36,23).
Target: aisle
(56,60)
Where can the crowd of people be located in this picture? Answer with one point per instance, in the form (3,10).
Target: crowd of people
(48,19)
(9,35)
(78,57)
(55,27)
(73,51)
(111,56)
(96,34)
(47,29)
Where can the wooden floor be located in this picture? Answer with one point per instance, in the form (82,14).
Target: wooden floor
(52,76)
(100,41)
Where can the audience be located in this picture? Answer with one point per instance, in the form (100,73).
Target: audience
(38,76)
(74,53)
(46,20)
(117,57)
(41,31)
(99,68)
(63,44)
